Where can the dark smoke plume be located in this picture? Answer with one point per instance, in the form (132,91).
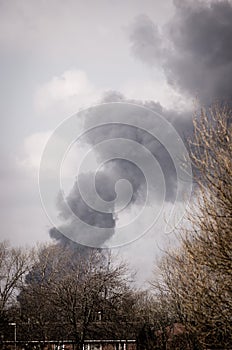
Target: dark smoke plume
(87,214)
(194,48)
(194,51)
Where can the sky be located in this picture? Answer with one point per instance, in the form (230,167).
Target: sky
(57,58)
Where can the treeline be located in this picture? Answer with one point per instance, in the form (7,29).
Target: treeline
(68,292)
(58,292)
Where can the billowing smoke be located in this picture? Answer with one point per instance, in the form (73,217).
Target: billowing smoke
(111,171)
(194,48)
(87,214)
(146,41)
(125,169)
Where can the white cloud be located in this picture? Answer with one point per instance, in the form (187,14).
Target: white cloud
(156,89)
(34,146)
(64,95)
(33,149)
(23,220)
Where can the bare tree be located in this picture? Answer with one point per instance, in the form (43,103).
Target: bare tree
(76,295)
(94,296)
(40,319)
(14,263)
(208,244)
(198,275)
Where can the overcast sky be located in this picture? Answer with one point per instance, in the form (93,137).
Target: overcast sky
(57,57)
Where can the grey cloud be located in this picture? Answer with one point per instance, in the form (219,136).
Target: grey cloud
(119,168)
(146,40)
(86,214)
(63,241)
(197,58)
(111,171)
